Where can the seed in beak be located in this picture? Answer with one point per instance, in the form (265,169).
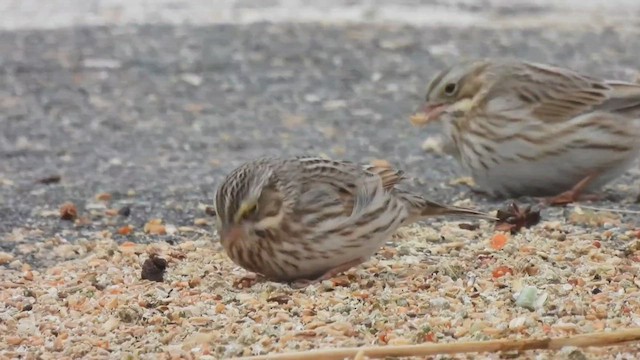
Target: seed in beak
(427,114)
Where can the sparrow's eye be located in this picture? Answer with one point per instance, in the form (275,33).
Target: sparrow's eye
(450,89)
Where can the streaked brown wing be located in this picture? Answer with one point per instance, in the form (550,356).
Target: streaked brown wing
(390,176)
(624,98)
(555,94)
(345,179)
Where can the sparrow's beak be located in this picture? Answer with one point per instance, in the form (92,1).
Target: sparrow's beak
(233,234)
(427,113)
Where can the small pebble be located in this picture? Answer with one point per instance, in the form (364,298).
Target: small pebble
(527,297)
(440,303)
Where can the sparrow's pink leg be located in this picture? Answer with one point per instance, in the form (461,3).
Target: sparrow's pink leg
(575,193)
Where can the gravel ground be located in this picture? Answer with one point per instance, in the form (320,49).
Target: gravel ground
(141,122)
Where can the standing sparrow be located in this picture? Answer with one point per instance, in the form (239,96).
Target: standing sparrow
(306,219)
(524,128)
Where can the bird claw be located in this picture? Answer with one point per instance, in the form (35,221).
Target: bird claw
(569,197)
(302,283)
(479,191)
(574,194)
(564,198)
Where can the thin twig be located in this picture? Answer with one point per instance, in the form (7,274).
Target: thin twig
(586,340)
(623,211)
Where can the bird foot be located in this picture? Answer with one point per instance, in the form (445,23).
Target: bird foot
(478,191)
(574,194)
(302,283)
(570,196)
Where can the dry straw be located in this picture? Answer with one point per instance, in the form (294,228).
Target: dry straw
(595,339)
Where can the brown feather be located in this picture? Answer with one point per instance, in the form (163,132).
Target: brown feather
(342,178)
(390,176)
(555,94)
(624,98)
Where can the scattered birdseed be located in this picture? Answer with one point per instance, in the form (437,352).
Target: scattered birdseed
(53,179)
(124,211)
(512,218)
(210,210)
(68,211)
(434,290)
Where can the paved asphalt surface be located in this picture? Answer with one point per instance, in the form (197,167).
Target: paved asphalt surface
(156,114)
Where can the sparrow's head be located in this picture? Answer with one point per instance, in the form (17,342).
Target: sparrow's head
(451,92)
(248,202)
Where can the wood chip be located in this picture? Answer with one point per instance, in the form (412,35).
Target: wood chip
(155,227)
(68,211)
(153,268)
(103,197)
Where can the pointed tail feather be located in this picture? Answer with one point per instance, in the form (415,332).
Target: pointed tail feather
(431,208)
(424,208)
(624,98)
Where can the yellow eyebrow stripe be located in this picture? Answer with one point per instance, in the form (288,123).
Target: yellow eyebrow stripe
(244,208)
